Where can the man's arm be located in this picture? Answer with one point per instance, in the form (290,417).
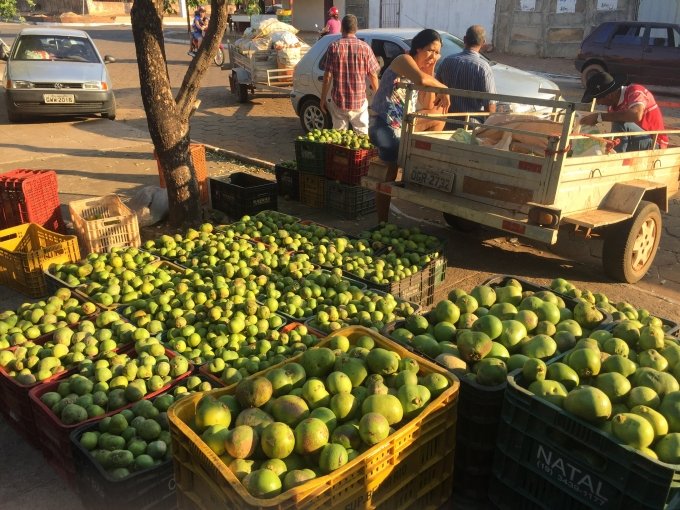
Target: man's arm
(632,114)
(490,87)
(373,78)
(327,79)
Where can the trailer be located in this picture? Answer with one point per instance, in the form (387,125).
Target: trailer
(258,70)
(615,196)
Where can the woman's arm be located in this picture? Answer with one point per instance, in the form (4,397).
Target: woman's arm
(405,66)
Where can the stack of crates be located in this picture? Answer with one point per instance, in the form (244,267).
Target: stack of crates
(30,196)
(311,164)
(330,176)
(344,169)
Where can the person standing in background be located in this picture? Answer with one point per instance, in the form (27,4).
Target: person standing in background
(468,70)
(349,61)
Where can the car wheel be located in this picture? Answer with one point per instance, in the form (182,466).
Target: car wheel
(589,70)
(311,116)
(12,116)
(110,113)
(629,247)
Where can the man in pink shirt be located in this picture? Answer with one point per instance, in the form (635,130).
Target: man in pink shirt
(349,61)
(632,109)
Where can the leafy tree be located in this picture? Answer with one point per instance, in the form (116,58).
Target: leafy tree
(8,9)
(168,116)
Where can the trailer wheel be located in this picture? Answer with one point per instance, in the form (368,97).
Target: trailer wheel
(239,88)
(459,223)
(629,247)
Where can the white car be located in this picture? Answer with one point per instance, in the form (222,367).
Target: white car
(56,71)
(387,43)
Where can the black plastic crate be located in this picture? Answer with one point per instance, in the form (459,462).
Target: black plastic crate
(141,490)
(478,418)
(287,181)
(312,190)
(350,202)
(544,451)
(417,288)
(310,156)
(242,194)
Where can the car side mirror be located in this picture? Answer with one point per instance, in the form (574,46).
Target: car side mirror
(108,59)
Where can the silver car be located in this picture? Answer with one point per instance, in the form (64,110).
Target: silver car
(55,71)
(387,43)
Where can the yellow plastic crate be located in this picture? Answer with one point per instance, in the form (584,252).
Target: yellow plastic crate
(412,468)
(25,250)
(103,223)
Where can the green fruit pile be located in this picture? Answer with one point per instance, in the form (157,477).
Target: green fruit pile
(620,311)
(300,298)
(402,241)
(32,320)
(493,330)
(189,386)
(370,309)
(98,267)
(113,381)
(209,249)
(65,349)
(344,137)
(250,358)
(309,418)
(625,382)
(133,440)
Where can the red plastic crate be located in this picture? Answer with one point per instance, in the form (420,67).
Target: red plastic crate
(348,165)
(30,196)
(17,403)
(54,436)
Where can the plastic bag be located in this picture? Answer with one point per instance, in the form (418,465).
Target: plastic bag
(462,136)
(150,204)
(287,57)
(282,40)
(271,25)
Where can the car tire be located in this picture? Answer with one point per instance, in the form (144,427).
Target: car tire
(110,113)
(589,70)
(311,116)
(12,116)
(630,247)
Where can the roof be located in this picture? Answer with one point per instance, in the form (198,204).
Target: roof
(653,24)
(404,33)
(49,30)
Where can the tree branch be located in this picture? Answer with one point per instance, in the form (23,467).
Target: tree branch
(188,92)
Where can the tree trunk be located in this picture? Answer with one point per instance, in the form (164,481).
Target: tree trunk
(167,117)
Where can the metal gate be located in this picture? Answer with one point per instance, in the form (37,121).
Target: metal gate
(389,13)
(360,9)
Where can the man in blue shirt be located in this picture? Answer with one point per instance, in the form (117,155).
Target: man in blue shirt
(468,70)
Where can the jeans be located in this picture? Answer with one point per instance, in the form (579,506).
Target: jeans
(384,138)
(631,143)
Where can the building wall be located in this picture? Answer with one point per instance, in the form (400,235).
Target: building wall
(453,16)
(659,10)
(306,13)
(545,33)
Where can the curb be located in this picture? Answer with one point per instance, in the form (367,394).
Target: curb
(240,157)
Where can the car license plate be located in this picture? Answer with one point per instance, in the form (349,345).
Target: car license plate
(434,178)
(59,98)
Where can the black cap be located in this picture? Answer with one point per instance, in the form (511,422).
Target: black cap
(599,85)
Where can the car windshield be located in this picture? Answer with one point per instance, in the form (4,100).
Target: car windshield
(52,47)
